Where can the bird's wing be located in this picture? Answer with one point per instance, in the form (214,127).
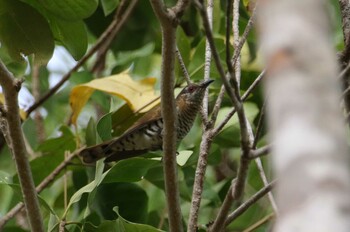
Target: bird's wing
(106,149)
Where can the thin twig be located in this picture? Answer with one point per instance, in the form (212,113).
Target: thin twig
(235,29)
(244,97)
(11,87)
(344,71)
(38,118)
(263,177)
(123,9)
(62,226)
(114,26)
(48,180)
(243,207)
(215,112)
(255,153)
(244,36)
(260,222)
(207,63)
(259,126)
(183,66)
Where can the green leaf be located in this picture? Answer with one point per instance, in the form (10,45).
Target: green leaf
(183,156)
(196,67)
(129,170)
(71,34)
(15,67)
(70,10)
(65,142)
(109,6)
(42,166)
(129,56)
(127,226)
(104,127)
(23,31)
(131,199)
(230,134)
(89,187)
(184,46)
(14,229)
(90,134)
(110,226)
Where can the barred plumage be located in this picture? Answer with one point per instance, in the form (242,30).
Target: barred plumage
(146,134)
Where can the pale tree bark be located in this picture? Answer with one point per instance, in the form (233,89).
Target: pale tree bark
(310,154)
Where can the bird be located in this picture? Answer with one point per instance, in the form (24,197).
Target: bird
(146,133)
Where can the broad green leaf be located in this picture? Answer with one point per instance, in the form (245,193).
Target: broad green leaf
(230,134)
(127,226)
(104,127)
(131,199)
(139,95)
(110,226)
(196,66)
(71,34)
(124,57)
(23,31)
(65,142)
(184,46)
(109,6)
(16,68)
(42,167)
(70,10)
(129,170)
(246,60)
(89,187)
(183,156)
(90,134)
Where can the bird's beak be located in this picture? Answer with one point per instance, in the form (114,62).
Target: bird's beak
(205,84)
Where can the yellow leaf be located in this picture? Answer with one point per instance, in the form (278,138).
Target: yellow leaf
(139,95)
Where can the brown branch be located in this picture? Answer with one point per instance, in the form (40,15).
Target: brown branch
(11,87)
(234,95)
(235,29)
(123,10)
(168,19)
(255,153)
(199,180)
(44,183)
(215,112)
(243,207)
(244,36)
(206,141)
(183,66)
(114,26)
(260,222)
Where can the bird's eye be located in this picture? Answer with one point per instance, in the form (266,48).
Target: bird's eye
(191,89)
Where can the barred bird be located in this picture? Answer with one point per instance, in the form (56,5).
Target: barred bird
(146,134)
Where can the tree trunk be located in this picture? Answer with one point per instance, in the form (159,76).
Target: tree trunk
(310,153)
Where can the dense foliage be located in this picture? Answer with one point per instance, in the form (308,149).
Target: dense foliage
(92,106)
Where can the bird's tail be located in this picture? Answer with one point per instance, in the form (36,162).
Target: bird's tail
(92,154)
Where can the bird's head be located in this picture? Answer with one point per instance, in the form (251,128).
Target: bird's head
(194,93)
